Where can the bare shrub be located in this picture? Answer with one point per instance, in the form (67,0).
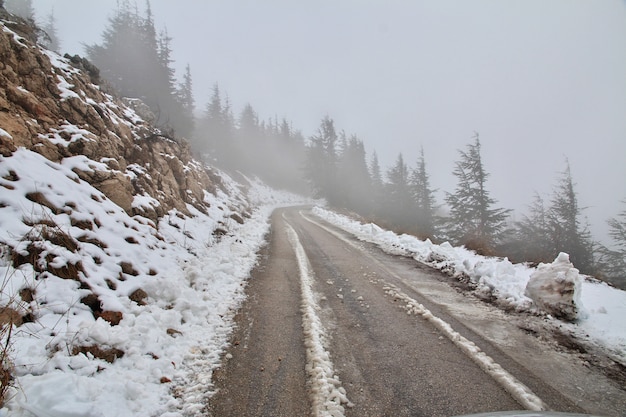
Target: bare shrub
(9,317)
(6,364)
(47,230)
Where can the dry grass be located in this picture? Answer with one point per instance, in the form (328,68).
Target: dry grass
(11,316)
(8,318)
(6,364)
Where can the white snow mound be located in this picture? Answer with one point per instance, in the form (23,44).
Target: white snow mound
(556,288)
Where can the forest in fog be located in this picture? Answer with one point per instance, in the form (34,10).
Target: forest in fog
(135,60)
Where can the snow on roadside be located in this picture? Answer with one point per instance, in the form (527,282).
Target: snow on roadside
(191,280)
(512,385)
(604,306)
(327,394)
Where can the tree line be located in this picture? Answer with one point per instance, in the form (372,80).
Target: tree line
(271,149)
(403,200)
(136,61)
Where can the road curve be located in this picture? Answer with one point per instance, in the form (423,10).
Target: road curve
(375,343)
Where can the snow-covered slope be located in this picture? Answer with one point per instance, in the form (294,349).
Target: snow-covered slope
(122,316)
(122,258)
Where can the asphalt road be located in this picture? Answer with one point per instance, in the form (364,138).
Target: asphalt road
(393,334)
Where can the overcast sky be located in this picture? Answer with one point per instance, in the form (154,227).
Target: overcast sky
(540,80)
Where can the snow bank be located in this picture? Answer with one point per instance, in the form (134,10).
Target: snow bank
(555,288)
(601,320)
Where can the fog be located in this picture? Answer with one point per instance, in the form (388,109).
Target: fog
(540,81)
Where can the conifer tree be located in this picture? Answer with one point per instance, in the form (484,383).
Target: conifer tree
(548,230)
(248,123)
(185,98)
(424,198)
(321,163)
(375,173)
(531,239)
(250,138)
(354,176)
(228,117)
(216,129)
(51,38)
(614,258)
(376,195)
(137,63)
(164,53)
(284,130)
(400,207)
(22,8)
(473,221)
(342,144)
(567,234)
(125,54)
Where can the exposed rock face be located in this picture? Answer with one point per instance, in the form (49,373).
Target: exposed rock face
(50,105)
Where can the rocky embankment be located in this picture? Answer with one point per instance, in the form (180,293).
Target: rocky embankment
(115,244)
(54,106)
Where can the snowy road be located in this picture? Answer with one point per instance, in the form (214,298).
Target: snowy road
(333,326)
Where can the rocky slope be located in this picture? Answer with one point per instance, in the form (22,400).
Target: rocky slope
(105,222)
(50,105)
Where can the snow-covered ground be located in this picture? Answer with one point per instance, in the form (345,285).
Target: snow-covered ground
(329,396)
(169,338)
(602,308)
(193,279)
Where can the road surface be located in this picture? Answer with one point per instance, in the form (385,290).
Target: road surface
(333,326)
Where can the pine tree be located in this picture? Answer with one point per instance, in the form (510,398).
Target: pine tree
(567,234)
(228,117)
(614,259)
(250,131)
(376,195)
(342,144)
(51,38)
(473,220)
(185,120)
(122,56)
(375,173)
(137,63)
(214,130)
(22,8)
(164,89)
(400,207)
(284,130)
(164,53)
(354,176)
(531,236)
(250,139)
(321,162)
(424,198)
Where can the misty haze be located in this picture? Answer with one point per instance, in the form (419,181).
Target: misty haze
(335,208)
